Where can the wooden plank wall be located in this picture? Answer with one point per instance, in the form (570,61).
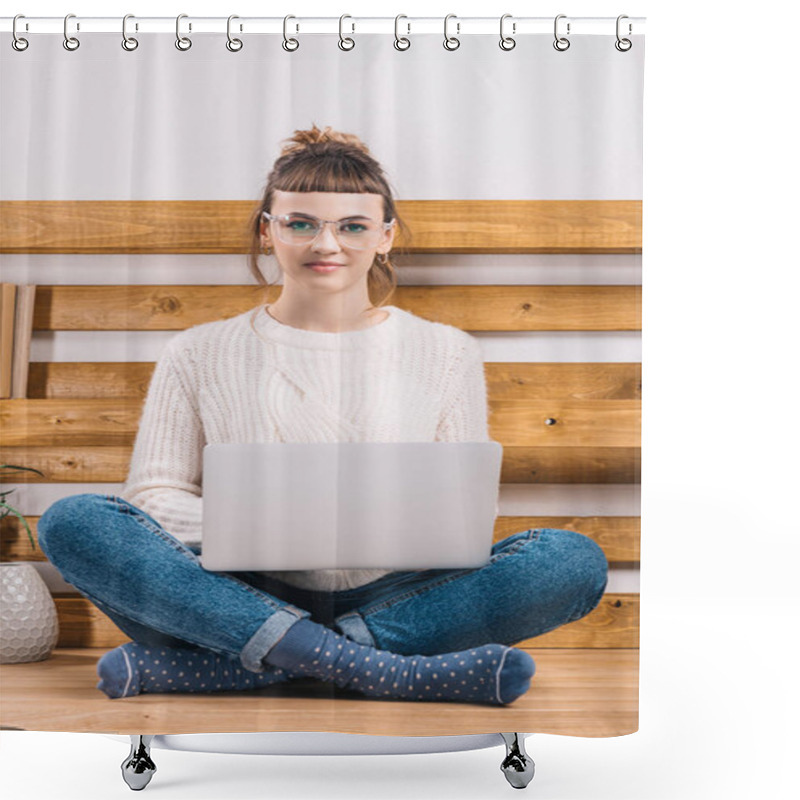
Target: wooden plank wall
(576,423)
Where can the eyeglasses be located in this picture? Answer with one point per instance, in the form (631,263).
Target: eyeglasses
(360,233)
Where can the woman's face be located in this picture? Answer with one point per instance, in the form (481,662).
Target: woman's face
(296,260)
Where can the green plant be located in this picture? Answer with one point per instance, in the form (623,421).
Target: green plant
(13,469)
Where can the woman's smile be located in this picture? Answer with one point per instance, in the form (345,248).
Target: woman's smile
(323,266)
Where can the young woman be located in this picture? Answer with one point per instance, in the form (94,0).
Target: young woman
(327,361)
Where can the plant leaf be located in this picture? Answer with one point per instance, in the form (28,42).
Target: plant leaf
(19,467)
(24,522)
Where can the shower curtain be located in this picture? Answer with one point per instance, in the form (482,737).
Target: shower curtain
(128,174)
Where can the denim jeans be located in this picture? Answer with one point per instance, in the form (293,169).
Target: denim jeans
(156,590)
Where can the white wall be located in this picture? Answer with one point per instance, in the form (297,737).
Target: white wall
(100,123)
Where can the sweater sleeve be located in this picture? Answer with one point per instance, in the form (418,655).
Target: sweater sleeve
(165,475)
(464,416)
(465,412)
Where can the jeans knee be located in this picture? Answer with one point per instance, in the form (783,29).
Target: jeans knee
(588,566)
(65,521)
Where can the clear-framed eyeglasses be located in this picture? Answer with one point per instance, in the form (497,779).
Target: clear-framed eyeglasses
(360,233)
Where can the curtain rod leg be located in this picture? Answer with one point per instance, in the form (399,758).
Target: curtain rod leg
(138,768)
(517,766)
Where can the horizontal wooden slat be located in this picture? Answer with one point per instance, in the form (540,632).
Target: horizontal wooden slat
(514,423)
(558,423)
(471,308)
(563,381)
(70,464)
(73,379)
(618,536)
(221,226)
(69,422)
(524,226)
(614,623)
(504,380)
(571,465)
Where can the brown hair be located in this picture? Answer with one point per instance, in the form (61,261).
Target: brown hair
(329,161)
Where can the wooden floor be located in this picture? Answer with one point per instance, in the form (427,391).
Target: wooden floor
(575,692)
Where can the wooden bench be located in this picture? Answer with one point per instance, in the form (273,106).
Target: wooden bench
(559,423)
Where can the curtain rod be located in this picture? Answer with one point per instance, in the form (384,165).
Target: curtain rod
(351,24)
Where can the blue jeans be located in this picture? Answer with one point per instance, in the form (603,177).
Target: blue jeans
(157,592)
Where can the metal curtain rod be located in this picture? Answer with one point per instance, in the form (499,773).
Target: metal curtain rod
(458,26)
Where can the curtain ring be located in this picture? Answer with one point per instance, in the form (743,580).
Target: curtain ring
(18,43)
(70,42)
(290,45)
(234,45)
(560,43)
(506,42)
(401,42)
(350,43)
(623,45)
(451,42)
(128,42)
(182,42)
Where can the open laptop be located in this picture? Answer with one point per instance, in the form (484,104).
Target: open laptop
(346,505)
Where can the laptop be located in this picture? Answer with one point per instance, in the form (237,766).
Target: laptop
(349,505)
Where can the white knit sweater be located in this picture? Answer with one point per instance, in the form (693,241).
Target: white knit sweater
(251,378)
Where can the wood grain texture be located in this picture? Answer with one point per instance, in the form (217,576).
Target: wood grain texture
(23,328)
(603,465)
(575,692)
(8,301)
(222,226)
(518,380)
(514,423)
(85,379)
(70,464)
(96,423)
(618,536)
(471,308)
(614,623)
(559,423)
(87,464)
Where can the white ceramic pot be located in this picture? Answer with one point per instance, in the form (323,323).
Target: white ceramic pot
(28,619)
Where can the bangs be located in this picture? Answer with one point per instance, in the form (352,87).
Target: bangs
(330,173)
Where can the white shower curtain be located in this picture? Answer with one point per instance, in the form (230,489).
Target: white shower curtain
(477,124)
(101,123)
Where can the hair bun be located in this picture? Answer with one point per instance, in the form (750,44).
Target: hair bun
(302,139)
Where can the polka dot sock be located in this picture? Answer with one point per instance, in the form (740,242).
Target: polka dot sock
(492,673)
(135,668)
